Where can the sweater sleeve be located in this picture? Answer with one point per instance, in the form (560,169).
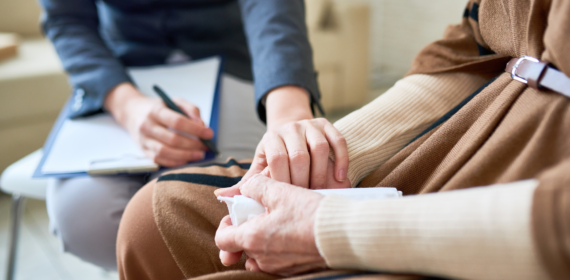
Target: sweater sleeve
(280,49)
(478,233)
(72,26)
(380,129)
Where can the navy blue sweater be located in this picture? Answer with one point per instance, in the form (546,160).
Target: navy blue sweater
(262,40)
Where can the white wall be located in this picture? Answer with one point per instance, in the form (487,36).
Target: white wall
(401,28)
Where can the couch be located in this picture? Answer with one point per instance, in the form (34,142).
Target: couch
(33,85)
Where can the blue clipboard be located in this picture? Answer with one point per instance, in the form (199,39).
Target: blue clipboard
(66,111)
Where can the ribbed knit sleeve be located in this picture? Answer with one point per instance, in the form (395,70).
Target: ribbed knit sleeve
(478,233)
(380,129)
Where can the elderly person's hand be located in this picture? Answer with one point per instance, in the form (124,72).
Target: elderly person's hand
(282,240)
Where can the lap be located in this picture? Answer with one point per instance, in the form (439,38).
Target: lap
(186,214)
(184,220)
(142,254)
(85,213)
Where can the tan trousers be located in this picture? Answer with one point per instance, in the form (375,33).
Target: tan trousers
(168,229)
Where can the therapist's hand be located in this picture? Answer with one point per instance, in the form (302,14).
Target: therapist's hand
(331,182)
(151,124)
(295,148)
(281,241)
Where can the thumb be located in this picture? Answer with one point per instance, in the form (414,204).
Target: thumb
(229,192)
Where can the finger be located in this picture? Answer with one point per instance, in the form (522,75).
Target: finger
(251,265)
(299,158)
(277,158)
(162,162)
(266,191)
(228,258)
(163,152)
(154,130)
(228,192)
(338,144)
(190,109)
(176,121)
(319,149)
(226,236)
(259,162)
(266,172)
(258,165)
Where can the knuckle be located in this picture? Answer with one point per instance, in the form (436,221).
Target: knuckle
(251,242)
(268,136)
(320,146)
(299,156)
(156,109)
(173,140)
(155,158)
(144,128)
(249,245)
(276,157)
(271,134)
(318,180)
(292,127)
(161,151)
(340,140)
(178,123)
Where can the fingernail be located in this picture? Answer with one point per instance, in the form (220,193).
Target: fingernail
(200,155)
(341,175)
(222,261)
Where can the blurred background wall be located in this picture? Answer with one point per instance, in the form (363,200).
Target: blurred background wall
(33,86)
(401,28)
(361,47)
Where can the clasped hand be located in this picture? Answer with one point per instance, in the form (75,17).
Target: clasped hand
(282,240)
(288,160)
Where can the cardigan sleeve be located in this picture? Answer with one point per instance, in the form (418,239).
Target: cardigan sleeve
(72,26)
(477,233)
(380,129)
(279,47)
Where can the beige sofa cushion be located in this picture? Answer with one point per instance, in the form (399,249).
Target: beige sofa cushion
(339,31)
(33,89)
(20,16)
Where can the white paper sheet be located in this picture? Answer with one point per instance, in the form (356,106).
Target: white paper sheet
(195,82)
(100,138)
(79,142)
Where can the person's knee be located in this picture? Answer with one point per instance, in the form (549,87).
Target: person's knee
(139,243)
(85,215)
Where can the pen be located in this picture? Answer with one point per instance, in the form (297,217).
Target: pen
(208,143)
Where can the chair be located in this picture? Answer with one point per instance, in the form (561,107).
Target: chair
(17,180)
